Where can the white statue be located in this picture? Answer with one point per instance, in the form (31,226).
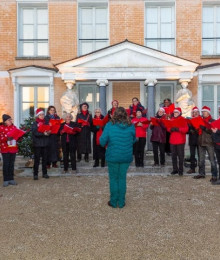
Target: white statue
(184,100)
(70,101)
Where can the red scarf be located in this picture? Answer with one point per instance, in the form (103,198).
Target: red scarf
(84,112)
(113,110)
(207,123)
(40,121)
(99,132)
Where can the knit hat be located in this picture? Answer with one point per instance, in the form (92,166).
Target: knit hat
(195,109)
(5,117)
(39,111)
(84,103)
(206,109)
(177,109)
(162,109)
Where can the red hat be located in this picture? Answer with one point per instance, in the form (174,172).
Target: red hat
(206,109)
(39,111)
(177,109)
(195,109)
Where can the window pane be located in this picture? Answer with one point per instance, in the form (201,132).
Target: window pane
(152,44)
(42,16)
(86,47)
(42,32)
(27,94)
(101,44)
(86,15)
(218,30)
(28,16)
(166,46)
(209,104)
(208,14)
(42,49)
(101,15)
(28,32)
(166,31)
(217,46)
(44,106)
(101,31)
(208,30)
(207,47)
(151,15)
(165,92)
(166,14)
(208,93)
(43,94)
(86,95)
(28,49)
(218,14)
(151,31)
(86,31)
(27,110)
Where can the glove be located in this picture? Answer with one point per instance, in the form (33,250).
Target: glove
(203,127)
(174,129)
(10,138)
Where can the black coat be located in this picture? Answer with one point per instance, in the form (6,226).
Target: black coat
(84,137)
(193,136)
(54,143)
(98,150)
(72,138)
(139,106)
(158,133)
(39,139)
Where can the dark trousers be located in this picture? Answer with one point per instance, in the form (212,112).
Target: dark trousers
(68,152)
(40,152)
(8,166)
(139,151)
(217,152)
(156,148)
(193,149)
(202,152)
(177,151)
(167,145)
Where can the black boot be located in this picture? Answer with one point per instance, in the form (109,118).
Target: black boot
(96,164)
(86,158)
(103,163)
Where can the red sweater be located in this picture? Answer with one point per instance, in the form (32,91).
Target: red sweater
(180,136)
(4,138)
(140,130)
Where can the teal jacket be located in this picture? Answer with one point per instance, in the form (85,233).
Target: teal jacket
(119,139)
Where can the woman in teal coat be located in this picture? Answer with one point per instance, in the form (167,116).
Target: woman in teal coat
(119,136)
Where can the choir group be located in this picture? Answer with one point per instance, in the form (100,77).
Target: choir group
(169,129)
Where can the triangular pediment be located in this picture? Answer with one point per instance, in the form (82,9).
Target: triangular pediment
(126,55)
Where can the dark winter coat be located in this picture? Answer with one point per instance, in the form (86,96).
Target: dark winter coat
(139,107)
(193,136)
(205,139)
(84,137)
(39,139)
(72,138)
(98,150)
(158,133)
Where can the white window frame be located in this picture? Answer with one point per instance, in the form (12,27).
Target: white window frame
(215,31)
(93,5)
(35,86)
(215,97)
(20,7)
(160,4)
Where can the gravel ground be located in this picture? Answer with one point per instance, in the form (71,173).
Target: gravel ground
(68,218)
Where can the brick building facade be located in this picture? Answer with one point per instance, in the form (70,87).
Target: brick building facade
(107,49)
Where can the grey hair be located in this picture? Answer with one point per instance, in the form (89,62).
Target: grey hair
(98,109)
(67,114)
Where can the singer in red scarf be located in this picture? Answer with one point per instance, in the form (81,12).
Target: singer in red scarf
(206,145)
(84,119)
(111,111)
(40,144)
(98,150)
(136,105)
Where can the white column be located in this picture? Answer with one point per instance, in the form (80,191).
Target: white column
(102,83)
(16,102)
(150,83)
